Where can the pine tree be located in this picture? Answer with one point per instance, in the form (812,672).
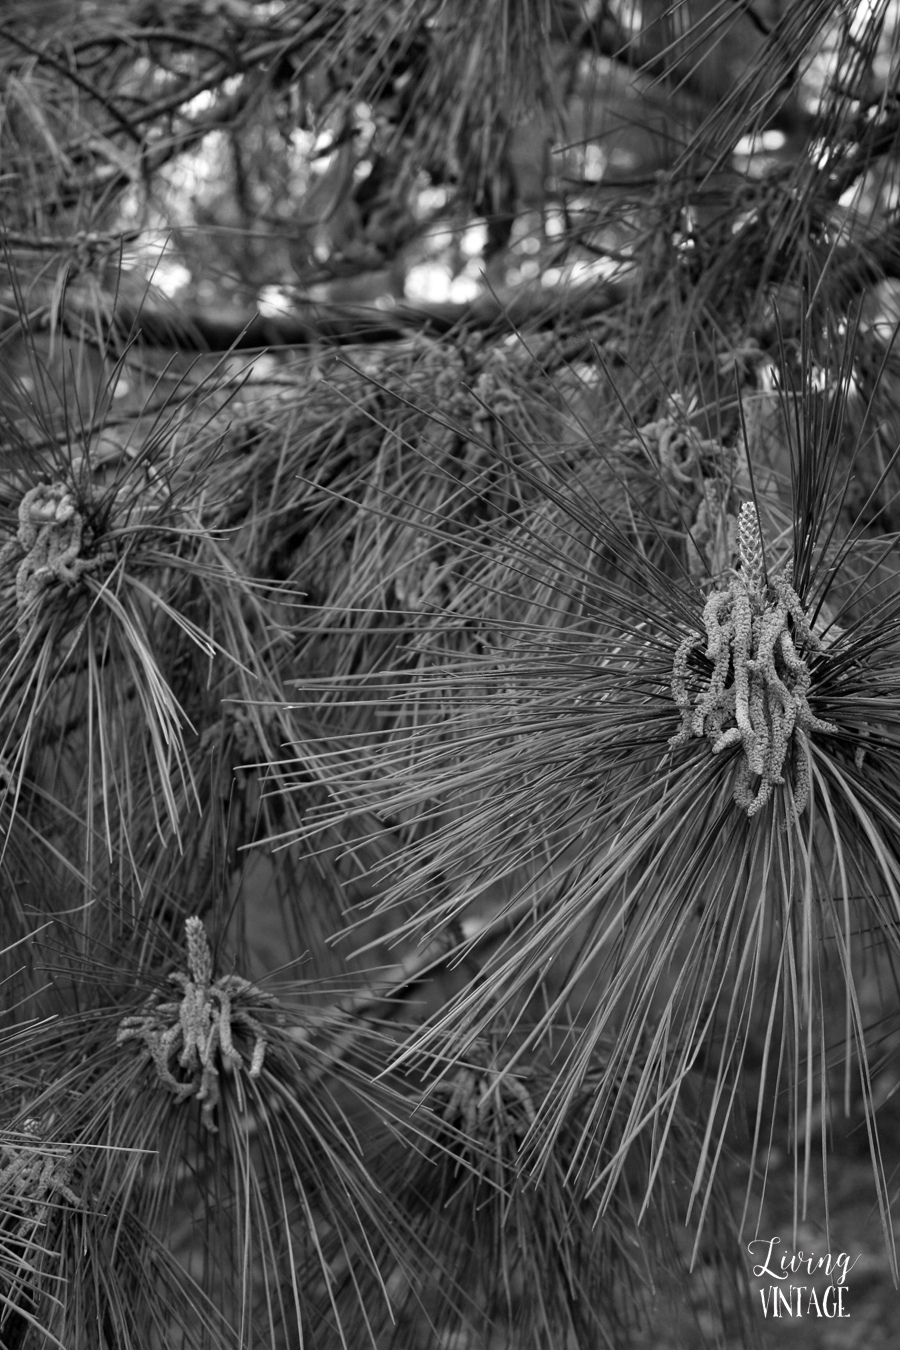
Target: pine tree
(448,776)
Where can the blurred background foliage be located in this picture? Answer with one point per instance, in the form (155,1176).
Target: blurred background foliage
(362,360)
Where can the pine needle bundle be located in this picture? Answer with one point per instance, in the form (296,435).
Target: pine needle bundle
(682,815)
(519,1259)
(220,1140)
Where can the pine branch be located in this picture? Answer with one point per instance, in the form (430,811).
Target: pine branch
(207,331)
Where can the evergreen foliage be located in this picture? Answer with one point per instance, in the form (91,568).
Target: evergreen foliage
(449,776)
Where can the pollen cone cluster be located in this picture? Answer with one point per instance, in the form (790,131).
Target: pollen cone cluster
(758,639)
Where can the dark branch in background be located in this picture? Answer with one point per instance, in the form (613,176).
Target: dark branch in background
(854,268)
(199,330)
